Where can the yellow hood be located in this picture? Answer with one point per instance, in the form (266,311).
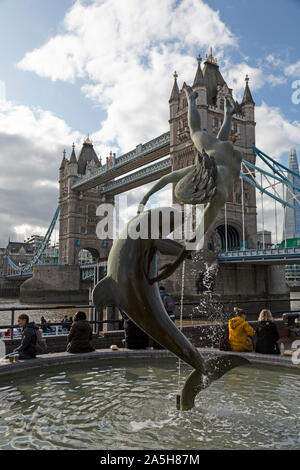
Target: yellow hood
(235,322)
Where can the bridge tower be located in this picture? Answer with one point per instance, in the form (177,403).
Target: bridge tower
(78,220)
(212,89)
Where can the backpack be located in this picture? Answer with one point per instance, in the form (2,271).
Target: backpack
(40,345)
(224,343)
(168,303)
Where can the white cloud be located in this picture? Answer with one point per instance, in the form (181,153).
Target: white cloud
(235,74)
(274,60)
(44,129)
(293,70)
(275,134)
(126,53)
(31,143)
(2,91)
(235,77)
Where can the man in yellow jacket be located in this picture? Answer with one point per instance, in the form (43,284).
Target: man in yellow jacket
(240,332)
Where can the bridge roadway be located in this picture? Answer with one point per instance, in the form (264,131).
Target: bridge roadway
(140,156)
(271,256)
(137,178)
(261,256)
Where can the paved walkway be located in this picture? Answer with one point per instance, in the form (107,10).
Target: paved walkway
(55,359)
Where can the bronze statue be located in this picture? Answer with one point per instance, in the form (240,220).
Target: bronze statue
(211,179)
(132,273)
(131,285)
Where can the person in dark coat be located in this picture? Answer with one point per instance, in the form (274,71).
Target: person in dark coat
(79,339)
(27,349)
(43,324)
(64,322)
(168,302)
(68,323)
(266,334)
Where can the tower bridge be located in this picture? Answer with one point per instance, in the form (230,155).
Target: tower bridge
(114,167)
(85,183)
(138,178)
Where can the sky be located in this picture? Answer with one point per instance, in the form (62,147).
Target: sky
(105,68)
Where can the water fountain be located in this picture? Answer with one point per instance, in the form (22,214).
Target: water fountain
(116,406)
(132,274)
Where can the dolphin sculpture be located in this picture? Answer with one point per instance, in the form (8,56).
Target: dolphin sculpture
(131,284)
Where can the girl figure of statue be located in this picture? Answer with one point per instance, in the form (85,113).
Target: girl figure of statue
(211,179)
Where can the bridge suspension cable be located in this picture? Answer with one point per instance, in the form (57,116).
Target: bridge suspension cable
(35,260)
(279,177)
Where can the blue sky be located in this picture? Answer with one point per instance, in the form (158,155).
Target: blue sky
(105,67)
(25,25)
(263,28)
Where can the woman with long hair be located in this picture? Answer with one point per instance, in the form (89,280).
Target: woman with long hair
(267,334)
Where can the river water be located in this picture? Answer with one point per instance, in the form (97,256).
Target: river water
(35,314)
(132,406)
(57,315)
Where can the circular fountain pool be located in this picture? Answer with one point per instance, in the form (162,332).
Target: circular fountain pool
(133,407)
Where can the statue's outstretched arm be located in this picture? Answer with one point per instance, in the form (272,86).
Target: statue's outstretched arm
(172,177)
(171,248)
(229,110)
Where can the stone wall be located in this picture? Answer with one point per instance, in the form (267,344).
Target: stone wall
(238,281)
(54,284)
(201,336)
(10,288)
(59,343)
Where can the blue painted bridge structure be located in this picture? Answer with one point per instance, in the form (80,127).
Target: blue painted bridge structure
(254,256)
(284,256)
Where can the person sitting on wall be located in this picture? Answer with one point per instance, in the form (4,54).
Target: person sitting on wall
(240,332)
(168,302)
(266,334)
(68,323)
(64,322)
(43,324)
(27,349)
(79,339)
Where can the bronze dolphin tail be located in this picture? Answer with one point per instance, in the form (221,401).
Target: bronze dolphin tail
(130,285)
(216,367)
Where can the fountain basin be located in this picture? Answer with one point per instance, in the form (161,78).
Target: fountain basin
(130,404)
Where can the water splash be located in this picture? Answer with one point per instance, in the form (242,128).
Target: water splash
(181,315)
(210,308)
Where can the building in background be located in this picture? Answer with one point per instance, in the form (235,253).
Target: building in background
(291,226)
(22,252)
(264,239)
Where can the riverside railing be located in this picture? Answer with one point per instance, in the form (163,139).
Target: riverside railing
(14,310)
